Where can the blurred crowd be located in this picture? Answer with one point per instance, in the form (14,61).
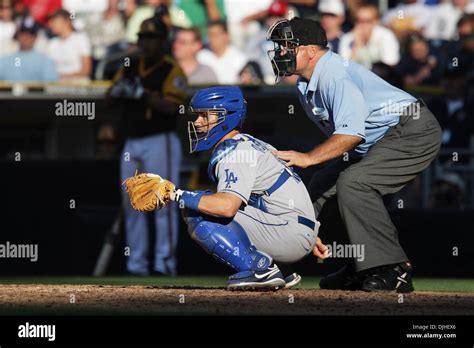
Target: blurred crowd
(414,42)
(427,44)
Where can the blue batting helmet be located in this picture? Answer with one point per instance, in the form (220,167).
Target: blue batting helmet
(231,108)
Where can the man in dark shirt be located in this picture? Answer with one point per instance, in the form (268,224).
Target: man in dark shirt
(151,90)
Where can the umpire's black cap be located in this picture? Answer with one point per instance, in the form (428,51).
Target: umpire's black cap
(308,32)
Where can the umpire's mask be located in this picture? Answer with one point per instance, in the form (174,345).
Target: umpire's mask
(283,56)
(287,36)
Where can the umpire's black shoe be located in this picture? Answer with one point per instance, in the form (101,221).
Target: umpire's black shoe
(390,278)
(344,279)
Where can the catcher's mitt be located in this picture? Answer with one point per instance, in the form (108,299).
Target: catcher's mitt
(148,192)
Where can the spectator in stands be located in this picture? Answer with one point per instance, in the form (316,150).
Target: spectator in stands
(70,50)
(80,7)
(27,64)
(408,17)
(454,111)
(304,8)
(40,10)
(106,31)
(465,25)
(417,66)
(7,28)
(257,47)
(186,46)
(465,44)
(197,13)
(129,7)
(226,60)
(136,14)
(445,16)
(369,42)
(139,13)
(278,8)
(83,10)
(352,6)
(332,18)
(251,74)
(240,19)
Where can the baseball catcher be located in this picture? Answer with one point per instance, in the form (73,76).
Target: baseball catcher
(260,219)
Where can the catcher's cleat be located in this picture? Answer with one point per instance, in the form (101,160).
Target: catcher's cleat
(292,280)
(269,279)
(344,279)
(390,278)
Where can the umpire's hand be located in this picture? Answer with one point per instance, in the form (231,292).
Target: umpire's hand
(294,158)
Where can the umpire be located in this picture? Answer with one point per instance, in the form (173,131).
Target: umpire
(378,139)
(150,89)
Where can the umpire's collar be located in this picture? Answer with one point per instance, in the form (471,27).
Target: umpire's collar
(311,86)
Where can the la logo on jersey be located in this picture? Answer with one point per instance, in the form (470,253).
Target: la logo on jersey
(230,178)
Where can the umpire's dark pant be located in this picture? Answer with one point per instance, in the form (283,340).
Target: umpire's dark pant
(404,151)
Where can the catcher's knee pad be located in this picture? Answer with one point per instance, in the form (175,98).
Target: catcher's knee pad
(228,242)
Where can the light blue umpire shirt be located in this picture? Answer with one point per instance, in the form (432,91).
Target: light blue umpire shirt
(343,97)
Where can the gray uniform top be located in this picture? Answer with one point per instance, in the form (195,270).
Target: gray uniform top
(277,213)
(248,168)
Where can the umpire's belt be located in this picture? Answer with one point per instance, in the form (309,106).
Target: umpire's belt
(284,176)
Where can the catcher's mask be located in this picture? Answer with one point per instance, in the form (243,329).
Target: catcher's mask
(230,107)
(283,56)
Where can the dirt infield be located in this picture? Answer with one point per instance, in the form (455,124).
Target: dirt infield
(97,299)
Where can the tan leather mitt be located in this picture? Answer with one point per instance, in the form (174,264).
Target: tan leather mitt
(148,191)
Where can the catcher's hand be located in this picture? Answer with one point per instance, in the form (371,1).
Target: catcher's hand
(148,192)
(320,250)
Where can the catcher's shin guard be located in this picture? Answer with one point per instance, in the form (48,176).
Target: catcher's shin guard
(227,241)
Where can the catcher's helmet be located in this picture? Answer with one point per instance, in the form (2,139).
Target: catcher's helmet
(231,108)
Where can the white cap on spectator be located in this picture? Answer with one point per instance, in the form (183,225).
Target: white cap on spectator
(334,7)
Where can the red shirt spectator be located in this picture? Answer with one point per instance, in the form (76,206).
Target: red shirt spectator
(41,9)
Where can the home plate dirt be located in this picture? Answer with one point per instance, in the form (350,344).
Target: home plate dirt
(97,299)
